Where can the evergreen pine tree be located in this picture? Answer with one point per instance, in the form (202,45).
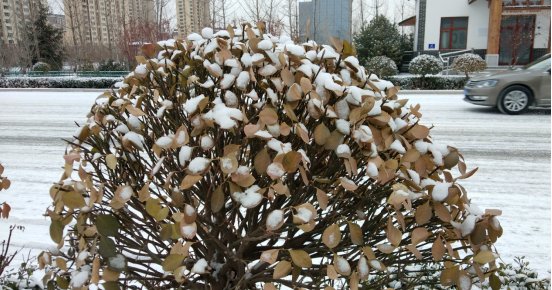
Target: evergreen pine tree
(379,38)
(46,41)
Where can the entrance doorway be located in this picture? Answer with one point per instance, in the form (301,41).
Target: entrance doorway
(517,33)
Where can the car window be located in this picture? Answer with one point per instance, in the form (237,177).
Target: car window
(541,65)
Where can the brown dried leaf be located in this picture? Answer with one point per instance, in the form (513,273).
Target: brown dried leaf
(331,236)
(287,77)
(134,111)
(111,161)
(321,134)
(419,235)
(302,133)
(414,251)
(189,181)
(281,270)
(322,198)
(348,184)
(217,200)
(353,281)
(6,208)
(306,85)
(356,234)
(411,155)
(291,161)
(424,213)
(484,257)
(438,249)
(442,212)
(394,235)
(268,116)
(331,272)
(270,256)
(419,131)
(300,258)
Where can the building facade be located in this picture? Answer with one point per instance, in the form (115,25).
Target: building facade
(192,16)
(15,18)
(57,21)
(321,19)
(102,22)
(505,32)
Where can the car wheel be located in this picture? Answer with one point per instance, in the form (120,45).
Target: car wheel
(514,100)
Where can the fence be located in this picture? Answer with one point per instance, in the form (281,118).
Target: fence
(88,74)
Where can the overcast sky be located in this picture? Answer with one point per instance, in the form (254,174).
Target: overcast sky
(388,7)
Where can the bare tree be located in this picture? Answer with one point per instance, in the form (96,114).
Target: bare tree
(220,12)
(291,12)
(160,13)
(264,10)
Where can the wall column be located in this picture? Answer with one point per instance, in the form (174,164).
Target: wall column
(493,42)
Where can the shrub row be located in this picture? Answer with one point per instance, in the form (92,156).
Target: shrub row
(406,83)
(429,82)
(58,82)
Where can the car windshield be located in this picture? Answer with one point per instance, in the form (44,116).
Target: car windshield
(540,64)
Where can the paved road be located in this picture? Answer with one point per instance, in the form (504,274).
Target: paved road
(513,153)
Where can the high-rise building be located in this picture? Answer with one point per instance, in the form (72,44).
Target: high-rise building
(57,21)
(321,19)
(102,22)
(191,16)
(16,17)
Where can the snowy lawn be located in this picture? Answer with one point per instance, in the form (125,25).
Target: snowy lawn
(513,153)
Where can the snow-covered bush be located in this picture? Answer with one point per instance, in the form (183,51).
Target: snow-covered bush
(437,82)
(469,63)
(381,66)
(425,64)
(42,67)
(240,160)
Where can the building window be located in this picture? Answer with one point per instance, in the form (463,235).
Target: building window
(454,33)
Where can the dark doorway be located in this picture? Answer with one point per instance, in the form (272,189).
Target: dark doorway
(517,33)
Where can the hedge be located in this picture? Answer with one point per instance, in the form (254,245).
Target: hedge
(58,82)
(405,82)
(429,82)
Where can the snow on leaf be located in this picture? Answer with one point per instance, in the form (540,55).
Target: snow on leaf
(198,165)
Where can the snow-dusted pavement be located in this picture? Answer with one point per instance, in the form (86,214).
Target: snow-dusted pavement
(512,152)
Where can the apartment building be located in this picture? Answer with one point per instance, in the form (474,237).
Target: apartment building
(15,17)
(102,22)
(191,16)
(505,32)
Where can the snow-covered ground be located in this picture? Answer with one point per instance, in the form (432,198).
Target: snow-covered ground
(512,152)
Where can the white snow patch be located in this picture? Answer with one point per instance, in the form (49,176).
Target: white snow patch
(224,116)
(397,146)
(164,142)
(343,126)
(274,219)
(200,267)
(250,198)
(440,191)
(184,155)
(343,150)
(275,170)
(192,104)
(372,170)
(198,165)
(207,142)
